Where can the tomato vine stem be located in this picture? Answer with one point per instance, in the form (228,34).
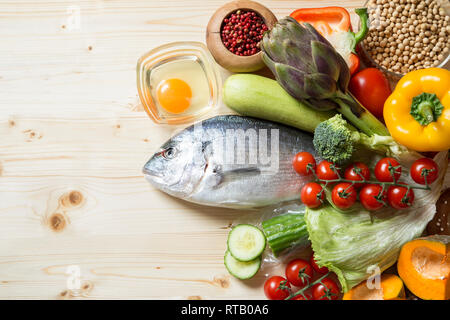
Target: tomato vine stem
(301,291)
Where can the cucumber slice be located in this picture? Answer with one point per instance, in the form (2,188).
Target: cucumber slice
(239,269)
(246,242)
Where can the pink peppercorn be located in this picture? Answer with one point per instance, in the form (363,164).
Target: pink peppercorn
(242,31)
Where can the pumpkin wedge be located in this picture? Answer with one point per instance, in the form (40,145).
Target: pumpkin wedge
(424,266)
(391,288)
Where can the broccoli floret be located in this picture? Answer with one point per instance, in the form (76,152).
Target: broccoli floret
(334,140)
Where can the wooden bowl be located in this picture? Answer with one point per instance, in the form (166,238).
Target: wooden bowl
(221,54)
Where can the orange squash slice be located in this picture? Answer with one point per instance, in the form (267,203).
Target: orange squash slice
(391,288)
(424,266)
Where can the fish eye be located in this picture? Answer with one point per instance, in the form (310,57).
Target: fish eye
(169,153)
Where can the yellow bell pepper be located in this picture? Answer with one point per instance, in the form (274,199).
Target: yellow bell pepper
(417,113)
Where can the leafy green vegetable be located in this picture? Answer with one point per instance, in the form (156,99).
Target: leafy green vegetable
(335,140)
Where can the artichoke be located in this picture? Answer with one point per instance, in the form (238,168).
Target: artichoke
(307,66)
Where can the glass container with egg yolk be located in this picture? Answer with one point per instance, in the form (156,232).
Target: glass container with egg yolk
(178,82)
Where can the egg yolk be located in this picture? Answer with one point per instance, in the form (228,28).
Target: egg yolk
(174,95)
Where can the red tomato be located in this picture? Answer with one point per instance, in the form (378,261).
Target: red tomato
(324,171)
(312,195)
(299,272)
(371,88)
(383,170)
(358,171)
(424,166)
(327,290)
(399,197)
(276,288)
(301,162)
(301,297)
(321,270)
(344,195)
(368,197)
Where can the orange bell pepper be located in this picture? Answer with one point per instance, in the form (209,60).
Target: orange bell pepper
(331,20)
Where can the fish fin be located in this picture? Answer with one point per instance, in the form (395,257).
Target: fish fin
(245,171)
(234,174)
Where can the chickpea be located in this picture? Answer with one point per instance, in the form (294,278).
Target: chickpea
(411,34)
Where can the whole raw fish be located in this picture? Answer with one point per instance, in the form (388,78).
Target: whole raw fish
(231,161)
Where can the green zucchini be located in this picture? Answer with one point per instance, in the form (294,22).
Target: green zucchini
(260,97)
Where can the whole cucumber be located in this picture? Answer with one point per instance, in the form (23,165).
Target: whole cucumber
(264,98)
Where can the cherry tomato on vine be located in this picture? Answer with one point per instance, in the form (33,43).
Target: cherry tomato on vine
(299,272)
(369,194)
(399,197)
(327,290)
(301,162)
(312,195)
(276,288)
(324,171)
(357,171)
(344,195)
(321,270)
(383,170)
(371,87)
(301,297)
(424,168)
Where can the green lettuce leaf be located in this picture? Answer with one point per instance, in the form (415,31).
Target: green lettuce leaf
(356,242)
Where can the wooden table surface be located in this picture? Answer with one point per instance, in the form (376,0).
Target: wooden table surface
(77,218)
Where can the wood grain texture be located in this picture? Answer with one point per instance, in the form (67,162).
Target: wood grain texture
(73,141)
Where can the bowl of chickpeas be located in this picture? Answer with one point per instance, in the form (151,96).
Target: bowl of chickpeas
(406,35)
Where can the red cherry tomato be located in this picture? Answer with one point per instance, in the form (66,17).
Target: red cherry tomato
(383,172)
(301,297)
(327,290)
(276,288)
(324,171)
(368,197)
(321,270)
(299,272)
(424,166)
(357,171)
(344,195)
(312,195)
(371,87)
(399,197)
(302,163)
